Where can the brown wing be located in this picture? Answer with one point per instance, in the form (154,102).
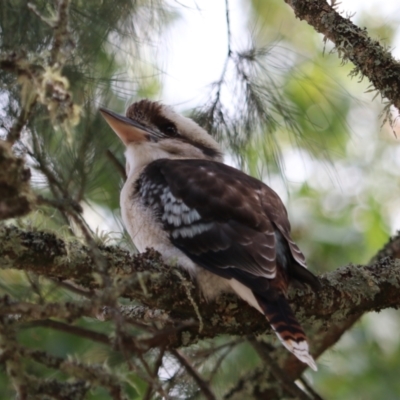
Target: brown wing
(217,215)
(273,207)
(288,253)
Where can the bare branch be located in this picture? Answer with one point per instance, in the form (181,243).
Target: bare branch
(278,373)
(203,386)
(24,116)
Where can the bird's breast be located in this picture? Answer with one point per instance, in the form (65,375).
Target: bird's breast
(140,222)
(146,229)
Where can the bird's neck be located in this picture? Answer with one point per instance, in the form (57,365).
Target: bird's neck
(139,155)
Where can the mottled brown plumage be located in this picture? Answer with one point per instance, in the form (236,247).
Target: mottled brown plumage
(208,217)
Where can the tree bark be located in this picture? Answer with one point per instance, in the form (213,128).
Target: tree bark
(347,292)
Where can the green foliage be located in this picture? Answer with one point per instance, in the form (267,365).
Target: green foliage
(364,364)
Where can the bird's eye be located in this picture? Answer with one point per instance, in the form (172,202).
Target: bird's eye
(170,130)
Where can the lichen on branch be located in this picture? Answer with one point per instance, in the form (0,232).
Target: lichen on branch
(145,278)
(353,44)
(16,197)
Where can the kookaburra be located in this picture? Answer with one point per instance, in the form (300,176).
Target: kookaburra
(227,229)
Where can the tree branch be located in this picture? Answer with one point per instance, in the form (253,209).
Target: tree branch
(346,292)
(353,43)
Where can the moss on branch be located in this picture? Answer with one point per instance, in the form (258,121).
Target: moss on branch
(348,291)
(16,198)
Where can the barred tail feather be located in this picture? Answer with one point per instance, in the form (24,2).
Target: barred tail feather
(287,328)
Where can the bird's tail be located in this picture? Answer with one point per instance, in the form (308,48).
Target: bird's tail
(286,327)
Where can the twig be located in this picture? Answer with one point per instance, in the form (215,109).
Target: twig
(310,390)
(157,366)
(96,374)
(73,288)
(74,330)
(61,34)
(63,204)
(221,358)
(203,386)
(228,27)
(229,54)
(277,372)
(119,167)
(151,378)
(60,27)
(24,116)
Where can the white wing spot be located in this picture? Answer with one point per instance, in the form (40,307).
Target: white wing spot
(190,231)
(177,213)
(190,217)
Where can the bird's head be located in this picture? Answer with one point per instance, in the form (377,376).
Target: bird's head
(151,130)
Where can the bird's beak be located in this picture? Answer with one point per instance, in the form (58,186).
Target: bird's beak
(127,129)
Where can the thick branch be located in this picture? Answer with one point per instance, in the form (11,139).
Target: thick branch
(353,44)
(347,292)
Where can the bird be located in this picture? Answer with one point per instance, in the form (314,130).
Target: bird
(229,230)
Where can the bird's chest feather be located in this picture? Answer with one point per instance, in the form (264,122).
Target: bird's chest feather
(140,221)
(143,221)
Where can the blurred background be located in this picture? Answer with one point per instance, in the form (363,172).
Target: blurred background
(285,109)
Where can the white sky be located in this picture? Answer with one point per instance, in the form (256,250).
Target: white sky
(197,49)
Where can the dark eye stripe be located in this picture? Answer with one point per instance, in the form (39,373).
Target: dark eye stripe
(207,151)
